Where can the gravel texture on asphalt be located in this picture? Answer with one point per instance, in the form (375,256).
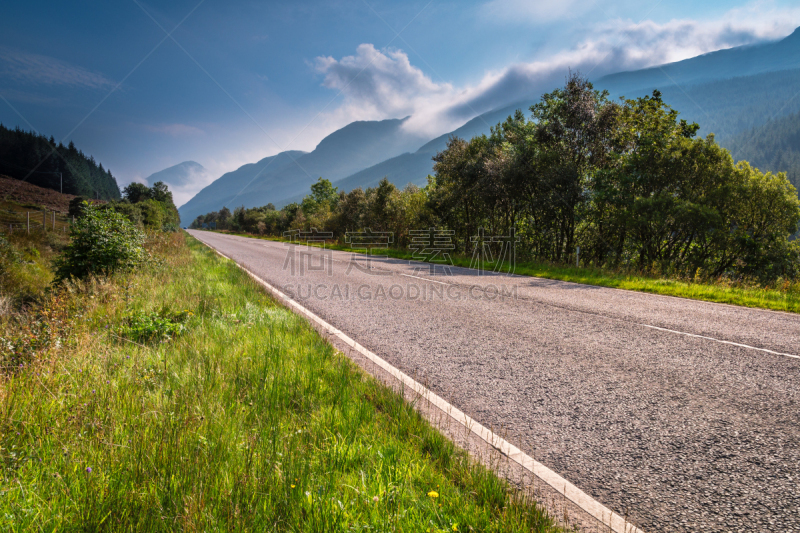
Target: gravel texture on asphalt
(676,432)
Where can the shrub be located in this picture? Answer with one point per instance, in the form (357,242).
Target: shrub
(159,326)
(103,241)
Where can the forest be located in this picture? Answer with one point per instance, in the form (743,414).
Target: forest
(43,162)
(773,146)
(627,182)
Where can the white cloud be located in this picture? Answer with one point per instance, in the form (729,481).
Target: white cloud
(25,67)
(379,84)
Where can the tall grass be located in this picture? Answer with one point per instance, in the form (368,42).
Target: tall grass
(244,419)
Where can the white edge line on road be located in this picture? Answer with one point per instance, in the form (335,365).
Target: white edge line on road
(423,279)
(747,346)
(720,340)
(585,502)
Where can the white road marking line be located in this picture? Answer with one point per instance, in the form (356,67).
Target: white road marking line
(603,514)
(720,340)
(424,279)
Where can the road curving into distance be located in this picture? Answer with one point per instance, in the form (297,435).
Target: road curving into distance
(679,414)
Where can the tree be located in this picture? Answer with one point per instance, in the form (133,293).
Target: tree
(136,192)
(103,242)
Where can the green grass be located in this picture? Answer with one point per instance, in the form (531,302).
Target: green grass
(244,419)
(783,297)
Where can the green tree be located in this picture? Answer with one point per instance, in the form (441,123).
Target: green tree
(103,242)
(136,192)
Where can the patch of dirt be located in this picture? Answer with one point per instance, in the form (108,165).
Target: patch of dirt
(34,196)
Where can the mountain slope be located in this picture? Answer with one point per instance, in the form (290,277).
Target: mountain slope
(350,149)
(733,62)
(713,91)
(415,167)
(226,188)
(38,160)
(177,175)
(727,92)
(773,147)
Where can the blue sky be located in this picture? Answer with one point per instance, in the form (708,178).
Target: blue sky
(239,80)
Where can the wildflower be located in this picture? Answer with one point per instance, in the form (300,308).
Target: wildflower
(375,499)
(89,469)
(92,391)
(292,486)
(455,527)
(433,494)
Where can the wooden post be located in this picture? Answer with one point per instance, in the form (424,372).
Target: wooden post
(28,213)
(54,220)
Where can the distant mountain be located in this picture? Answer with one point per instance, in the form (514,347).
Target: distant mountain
(733,62)
(727,92)
(415,167)
(773,147)
(225,189)
(356,146)
(178,175)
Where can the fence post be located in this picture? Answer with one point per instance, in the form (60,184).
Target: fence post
(44,220)
(28,213)
(577,255)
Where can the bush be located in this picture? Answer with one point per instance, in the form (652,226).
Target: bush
(103,241)
(160,326)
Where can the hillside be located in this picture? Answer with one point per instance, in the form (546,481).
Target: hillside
(177,175)
(775,147)
(733,62)
(39,161)
(350,149)
(727,92)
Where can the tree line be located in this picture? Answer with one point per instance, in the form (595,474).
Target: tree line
(43,162)
(627,182)
(144,207)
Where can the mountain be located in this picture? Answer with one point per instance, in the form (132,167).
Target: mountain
(177,175)
(350,149)
(38,160)
(727,92)
(774,147)
(415,167)
(733,62)
(224,189)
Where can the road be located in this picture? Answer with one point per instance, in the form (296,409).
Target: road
(681,415)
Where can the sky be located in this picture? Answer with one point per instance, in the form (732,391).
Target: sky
(144,85)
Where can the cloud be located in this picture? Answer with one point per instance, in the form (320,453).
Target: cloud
(24,67)
(379,84)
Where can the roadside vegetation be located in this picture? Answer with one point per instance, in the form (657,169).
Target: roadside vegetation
(623,190)
(173,394)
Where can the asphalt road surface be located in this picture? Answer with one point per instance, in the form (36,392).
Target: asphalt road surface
(681,415)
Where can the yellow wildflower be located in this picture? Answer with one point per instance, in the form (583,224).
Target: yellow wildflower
(433,494)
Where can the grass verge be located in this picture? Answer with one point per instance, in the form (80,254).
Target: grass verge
(785,297)
(231,414)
